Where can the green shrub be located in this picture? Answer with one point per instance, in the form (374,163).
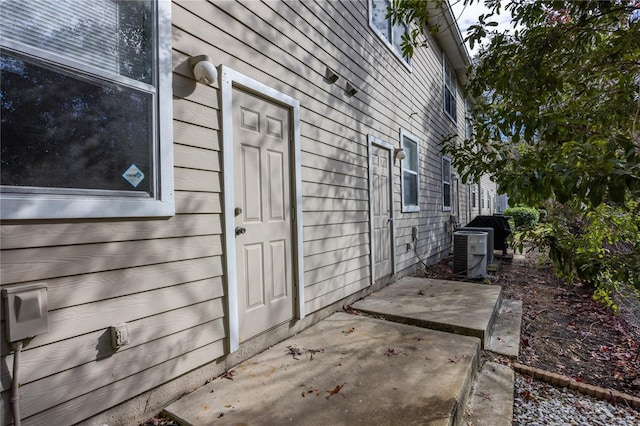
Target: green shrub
(523,217)
(597,246)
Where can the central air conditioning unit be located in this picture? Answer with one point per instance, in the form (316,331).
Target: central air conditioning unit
(470,254)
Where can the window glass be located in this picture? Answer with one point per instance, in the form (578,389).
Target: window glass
(450,90)
(410,175)
(113,36)
(446,183)
(396,39)
(410,195)
(64,127)
(410,148)
(468,130)
(60,130)
(379,17)
(391,34)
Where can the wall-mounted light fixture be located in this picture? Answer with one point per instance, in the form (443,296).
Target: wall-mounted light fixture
(330,76)
(203,69)
(350,90)
(400,155)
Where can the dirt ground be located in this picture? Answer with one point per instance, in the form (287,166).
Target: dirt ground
(564,330)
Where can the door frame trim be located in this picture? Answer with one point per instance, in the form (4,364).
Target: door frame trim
(372,140)
(228,80)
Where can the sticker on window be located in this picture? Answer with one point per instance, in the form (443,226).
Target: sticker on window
(133,175)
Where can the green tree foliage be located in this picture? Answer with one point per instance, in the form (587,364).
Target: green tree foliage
(556,117)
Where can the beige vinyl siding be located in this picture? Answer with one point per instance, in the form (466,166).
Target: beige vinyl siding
(164,277)
(490,190)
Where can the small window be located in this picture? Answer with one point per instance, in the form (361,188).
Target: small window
(482,199)
(468,130)
(446,184)
(450,90)
(410,174)
(86,109)
(390,34)
(474,196)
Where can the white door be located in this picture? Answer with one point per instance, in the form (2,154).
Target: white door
(262,193)
(382,215)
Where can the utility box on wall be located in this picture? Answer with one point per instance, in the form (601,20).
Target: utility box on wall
(470,254)
(26,310)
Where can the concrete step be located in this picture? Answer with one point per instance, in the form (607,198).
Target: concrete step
(491,402)
(504,337)
(452,306)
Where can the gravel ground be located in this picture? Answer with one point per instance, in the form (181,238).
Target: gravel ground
(540,403)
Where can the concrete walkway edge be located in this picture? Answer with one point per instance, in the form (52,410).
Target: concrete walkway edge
(491,403)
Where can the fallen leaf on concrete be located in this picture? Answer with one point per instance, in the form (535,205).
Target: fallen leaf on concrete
(314,351)
(335,390)
(391,352)
(457,359)
(293,351)
(348,309)
(349,331)
(229,374)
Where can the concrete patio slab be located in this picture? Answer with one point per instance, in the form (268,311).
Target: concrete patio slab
(345,370)
(456,307)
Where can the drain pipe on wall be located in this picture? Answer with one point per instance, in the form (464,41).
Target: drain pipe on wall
(15,382)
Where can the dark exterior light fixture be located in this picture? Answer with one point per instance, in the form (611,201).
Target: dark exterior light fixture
(330,76)
(350,90)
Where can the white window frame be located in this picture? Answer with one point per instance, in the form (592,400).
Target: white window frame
(446,180)
(447,70)
(410,208)
(53,203)
(388,43)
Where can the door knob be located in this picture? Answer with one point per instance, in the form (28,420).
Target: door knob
(240,230)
